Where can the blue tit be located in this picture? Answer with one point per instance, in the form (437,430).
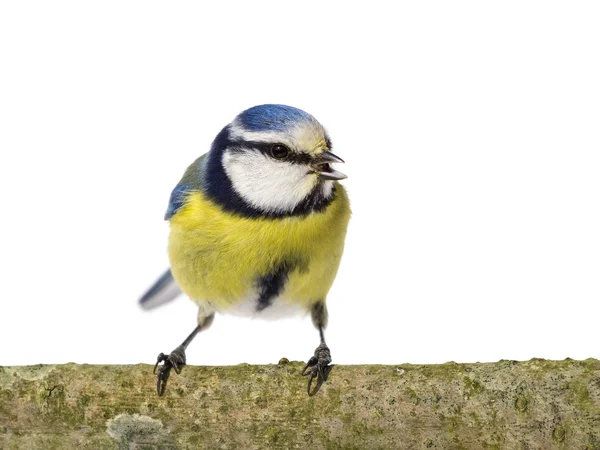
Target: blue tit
(257,229)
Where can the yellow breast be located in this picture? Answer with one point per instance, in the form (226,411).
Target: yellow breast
(218,257)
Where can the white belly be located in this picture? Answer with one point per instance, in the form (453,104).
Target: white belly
(277,309)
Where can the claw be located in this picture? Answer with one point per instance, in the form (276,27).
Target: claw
(161,381)
(318,384)
(319,369)
(311,362)
(175,360)
(160,359)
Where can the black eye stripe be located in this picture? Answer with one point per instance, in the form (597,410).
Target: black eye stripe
(265,147)
(299,158)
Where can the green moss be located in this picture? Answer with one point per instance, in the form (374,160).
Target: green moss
(539,367)
(224,409)
(522,403)
(359,407)
(559,434)
(594,443)
(271,435)
(52,397)
(578,392)
(412,395)
(493,446)
(458,445)
(334,399)
(472,386)
(453,423)
(83,400)
(446,371)
(475,418)
(277,435)
(359,428)
(508,362)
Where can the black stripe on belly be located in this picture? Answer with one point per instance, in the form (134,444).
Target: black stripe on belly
(271,285)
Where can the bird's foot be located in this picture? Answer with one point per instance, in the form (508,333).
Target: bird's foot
(175,360)
(319,368)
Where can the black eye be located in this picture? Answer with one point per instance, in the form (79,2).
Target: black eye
(279,151)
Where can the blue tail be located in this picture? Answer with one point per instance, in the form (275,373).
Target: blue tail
(163,291)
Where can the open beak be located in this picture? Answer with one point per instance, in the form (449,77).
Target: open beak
(321,165)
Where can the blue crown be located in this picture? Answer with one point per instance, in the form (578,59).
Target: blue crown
(272,117)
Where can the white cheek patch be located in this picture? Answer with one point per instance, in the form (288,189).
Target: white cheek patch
(327,188)
(267,184)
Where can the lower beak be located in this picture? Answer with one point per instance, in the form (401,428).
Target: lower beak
(323,168)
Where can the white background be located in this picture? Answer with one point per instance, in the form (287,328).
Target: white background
(471,132)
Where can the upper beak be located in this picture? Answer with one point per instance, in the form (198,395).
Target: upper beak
(322,167)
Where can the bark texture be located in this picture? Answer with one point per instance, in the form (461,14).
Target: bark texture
(536,404)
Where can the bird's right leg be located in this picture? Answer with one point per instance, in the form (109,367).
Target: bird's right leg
(318,366)
(176,359)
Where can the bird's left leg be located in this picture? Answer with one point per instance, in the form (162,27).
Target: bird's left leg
(176,359)
(318,366)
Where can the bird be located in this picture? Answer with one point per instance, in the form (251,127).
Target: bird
(257,229)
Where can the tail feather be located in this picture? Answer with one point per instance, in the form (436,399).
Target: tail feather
(162,291)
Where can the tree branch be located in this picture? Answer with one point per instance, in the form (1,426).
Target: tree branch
(536,404)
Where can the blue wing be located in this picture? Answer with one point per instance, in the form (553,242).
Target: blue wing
(165,288)
(191,181)
(162,291)
(176,200)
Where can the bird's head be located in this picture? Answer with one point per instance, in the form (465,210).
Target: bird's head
(277,159)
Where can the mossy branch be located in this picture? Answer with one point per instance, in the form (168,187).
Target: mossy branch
(536,404)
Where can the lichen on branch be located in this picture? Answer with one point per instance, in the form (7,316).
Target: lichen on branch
(535,404)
